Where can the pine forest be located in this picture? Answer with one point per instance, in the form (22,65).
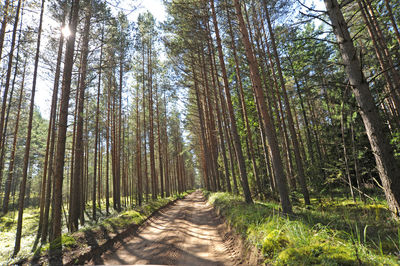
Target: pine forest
(200,132)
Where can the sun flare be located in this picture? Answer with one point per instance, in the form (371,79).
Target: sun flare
(66,32)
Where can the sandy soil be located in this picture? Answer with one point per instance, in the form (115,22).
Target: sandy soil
(185,233)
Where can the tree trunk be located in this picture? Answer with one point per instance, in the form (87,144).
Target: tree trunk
(270,131)
(218,100)
(236,138)
(167,177)
(209,124)
(346,160)
(138,152)
(380,56)
(97,126)
(391,17)
(62,130)
(386,164)
(202,129)
(249,135)
(146,178)
(108,152)
(8,76)
(4,26)
(151,129)
(28,137)
(46,180)
(79,150)
(3,151)
(299,162)
(14,148)
(160,155)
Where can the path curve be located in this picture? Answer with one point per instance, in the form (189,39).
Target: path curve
(185,233)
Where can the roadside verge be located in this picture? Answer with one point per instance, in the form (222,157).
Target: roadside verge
(88,242)
(245,252)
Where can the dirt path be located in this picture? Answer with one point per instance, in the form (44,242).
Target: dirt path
(186,233)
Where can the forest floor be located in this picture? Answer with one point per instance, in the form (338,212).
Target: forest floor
(187,232)
(224,230)
(332,231)
(91,238)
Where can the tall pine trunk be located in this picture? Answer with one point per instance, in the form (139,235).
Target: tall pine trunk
(61,138)
(235,135)
(4,26)
(28,136)
(269,130)
(299,162)
(14,148)
(77,175)
(8,79)
(386,163)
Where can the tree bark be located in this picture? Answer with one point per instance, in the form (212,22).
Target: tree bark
(345,155)
(62,130)
(269,130)
(8,76)
(391,17)
(160,154)
(151,129)
(218,102)
(299,162)
(28,136)
(46,180)
(3,151)
(167,177)
(388,169)
(138,153)
(202,129)
(14,148)
(236,138)
(79,150)
(4,26)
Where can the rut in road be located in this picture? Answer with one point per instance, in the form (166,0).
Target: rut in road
(185,233)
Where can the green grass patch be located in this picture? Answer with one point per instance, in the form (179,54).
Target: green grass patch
(327,233)
(8,228)
(125,219)
(67,242)
(6,223)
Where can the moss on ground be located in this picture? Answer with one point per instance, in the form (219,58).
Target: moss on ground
(6,223)
(317,254)
(326,233)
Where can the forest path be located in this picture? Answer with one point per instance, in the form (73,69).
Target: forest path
(185,233)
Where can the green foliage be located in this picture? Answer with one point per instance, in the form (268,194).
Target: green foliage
(6,223)
(327,233)
(66,241)
(124,219)
(316,254)
(395,141)
(274,242)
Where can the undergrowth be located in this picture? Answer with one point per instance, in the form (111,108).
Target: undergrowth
(325,233)
(108,224)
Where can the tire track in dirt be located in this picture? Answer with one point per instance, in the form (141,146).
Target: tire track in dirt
(186,233)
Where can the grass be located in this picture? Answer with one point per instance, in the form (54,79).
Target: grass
(8,227)
(326,233)
(107,223)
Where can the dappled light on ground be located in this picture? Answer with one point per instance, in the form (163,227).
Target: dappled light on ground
(185,234)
